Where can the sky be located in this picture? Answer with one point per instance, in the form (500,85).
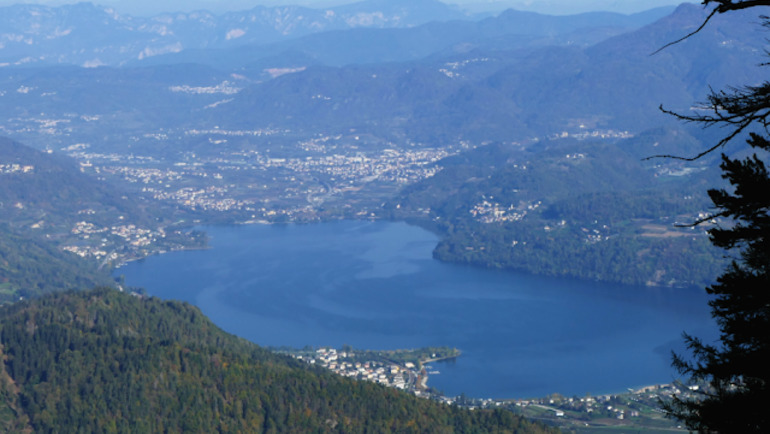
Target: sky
(554,7)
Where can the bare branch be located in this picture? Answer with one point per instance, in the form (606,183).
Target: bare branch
(702,220)
(741,126)
(723,6)
(706,21)
(730,5)
(738,110)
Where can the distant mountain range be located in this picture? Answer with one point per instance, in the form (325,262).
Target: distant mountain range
(481,80)
(519,79)
(366,45)
(87,35)
(492,93)
(527,130)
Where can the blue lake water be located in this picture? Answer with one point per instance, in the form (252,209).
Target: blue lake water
(374,285)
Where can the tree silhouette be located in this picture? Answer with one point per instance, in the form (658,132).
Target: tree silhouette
(736,369)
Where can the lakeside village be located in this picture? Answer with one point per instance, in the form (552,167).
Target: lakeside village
(406,370)
(409,370)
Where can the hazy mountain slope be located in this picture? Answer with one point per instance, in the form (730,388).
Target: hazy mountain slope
(49,192)
(145,93)
(58,107)
(514,96)
(397,13)
(88,35)
(531,23)
(504,92)
(571,208)
(31,265)
(512,29)
(107,361)
(619,84)
(47,205)
(616,84)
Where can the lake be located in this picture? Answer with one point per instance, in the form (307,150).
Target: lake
(375,285)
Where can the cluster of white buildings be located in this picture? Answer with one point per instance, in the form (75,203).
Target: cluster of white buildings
(200,187)
(593,134)
(389,165)
(493,212)
(86,228)
(131,234)
(16,168)
(207,199)
(226,88)
(344,364)
(146,175)
(452,69)
(91,251)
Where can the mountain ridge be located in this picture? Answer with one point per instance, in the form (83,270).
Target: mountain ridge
(107,361)
(89,35)
(614,84)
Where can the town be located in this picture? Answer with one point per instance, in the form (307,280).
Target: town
(402,369)
(287,182)
(638,408)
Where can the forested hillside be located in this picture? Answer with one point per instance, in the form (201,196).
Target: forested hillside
(580,209)
(104,361)
(31,266)
(64,229)
(48,191)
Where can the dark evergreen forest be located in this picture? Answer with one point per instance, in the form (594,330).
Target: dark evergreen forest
(105,361)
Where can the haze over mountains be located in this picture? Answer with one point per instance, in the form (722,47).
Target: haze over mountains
(483,73)
(554,7)
(92,35)
(305,114)
(518,138)
(301,114)
(88,35)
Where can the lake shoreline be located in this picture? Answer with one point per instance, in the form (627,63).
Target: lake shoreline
(376,285)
